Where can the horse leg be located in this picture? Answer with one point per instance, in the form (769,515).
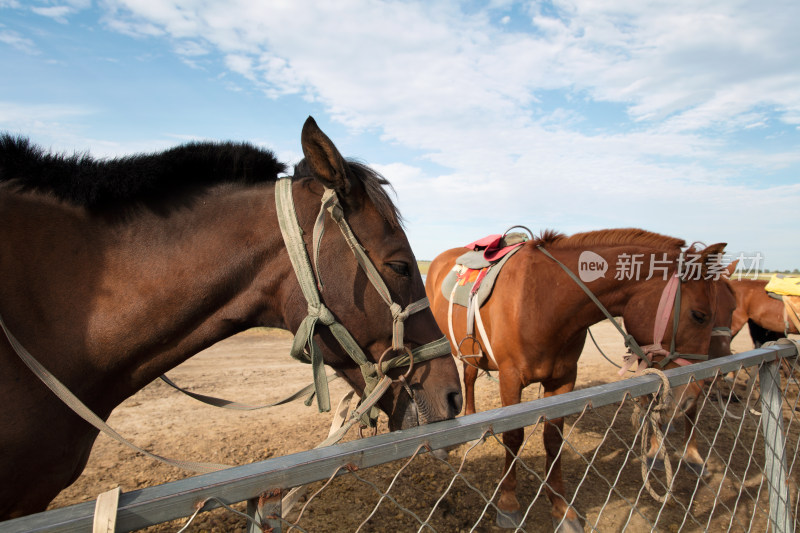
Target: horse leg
(509,514)
(692,458)
(691,455)
(687,397)
(470,375)
(564,516)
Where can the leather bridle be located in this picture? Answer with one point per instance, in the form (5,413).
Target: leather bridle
(304,347)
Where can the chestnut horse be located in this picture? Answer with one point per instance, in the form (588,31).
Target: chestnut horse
(113,272)
(764,315)
(536,322)
(754,305)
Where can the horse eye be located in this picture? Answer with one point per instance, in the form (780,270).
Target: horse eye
(698,317)
(400,268)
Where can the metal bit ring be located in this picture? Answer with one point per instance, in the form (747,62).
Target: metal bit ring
(390,349)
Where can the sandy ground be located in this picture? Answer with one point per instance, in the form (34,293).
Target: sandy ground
(255,367)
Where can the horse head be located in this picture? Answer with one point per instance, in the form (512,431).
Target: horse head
(693,327)
(368,281)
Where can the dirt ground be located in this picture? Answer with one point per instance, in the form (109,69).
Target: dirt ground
(254,367)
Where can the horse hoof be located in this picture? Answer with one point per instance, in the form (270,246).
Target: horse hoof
(656,464)
(567,525)
(698,468)
(509,519)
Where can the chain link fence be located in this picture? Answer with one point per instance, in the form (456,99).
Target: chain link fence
(602,463)
(747,429)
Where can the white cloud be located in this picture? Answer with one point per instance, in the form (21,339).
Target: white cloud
(472,96)
(17,41)
(190,49)
(375,64)
(57,13)
(462,91)
(39,118)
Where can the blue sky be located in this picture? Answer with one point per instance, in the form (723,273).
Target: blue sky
(679,117)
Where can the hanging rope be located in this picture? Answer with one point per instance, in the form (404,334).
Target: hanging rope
(663,399)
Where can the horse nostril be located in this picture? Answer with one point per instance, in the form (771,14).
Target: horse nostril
(454,403)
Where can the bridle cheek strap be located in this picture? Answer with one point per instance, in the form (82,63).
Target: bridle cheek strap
(331,205)
(669,304)
(665,308)
(304,347)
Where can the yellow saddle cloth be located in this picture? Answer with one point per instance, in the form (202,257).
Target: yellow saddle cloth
(783,284)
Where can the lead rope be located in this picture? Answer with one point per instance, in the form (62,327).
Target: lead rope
(308,391)
(599,349)
(72,401)
(653,424)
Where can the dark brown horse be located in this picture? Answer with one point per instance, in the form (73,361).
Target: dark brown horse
(113,272)
(755,306)
(537,317)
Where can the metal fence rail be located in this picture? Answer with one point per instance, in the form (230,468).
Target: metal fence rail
(752,451)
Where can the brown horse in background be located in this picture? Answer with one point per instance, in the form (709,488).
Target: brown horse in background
(764,315)
(755,306)
(537,318)
(113,272)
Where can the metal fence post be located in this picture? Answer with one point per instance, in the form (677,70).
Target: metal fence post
(774,444)
(265,510)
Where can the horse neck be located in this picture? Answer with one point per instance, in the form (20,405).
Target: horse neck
(612,290)
(128,300)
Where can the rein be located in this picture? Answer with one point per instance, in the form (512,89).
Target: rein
(669,304)
(72,401)
(304,347)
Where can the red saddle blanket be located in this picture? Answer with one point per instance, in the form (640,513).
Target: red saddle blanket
(494,247)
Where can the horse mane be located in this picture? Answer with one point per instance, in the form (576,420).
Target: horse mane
(375,185)
(100,184)
(610,237)
(106,184)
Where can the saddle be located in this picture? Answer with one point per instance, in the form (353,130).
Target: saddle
(475,272)
(783,285)
(470,283)
(787,289)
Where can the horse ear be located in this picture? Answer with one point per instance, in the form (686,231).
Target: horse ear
(324,160)
(730,269)
(713,252)
(711,256)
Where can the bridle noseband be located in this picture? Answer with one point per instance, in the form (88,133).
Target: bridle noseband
(304,347)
